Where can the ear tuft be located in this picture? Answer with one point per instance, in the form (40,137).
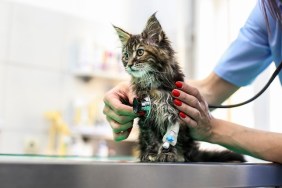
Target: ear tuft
(123,35)
(153,30)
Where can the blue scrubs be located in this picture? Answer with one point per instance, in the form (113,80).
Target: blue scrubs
(253,50)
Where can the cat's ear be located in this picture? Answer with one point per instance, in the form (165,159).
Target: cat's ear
(123,35)
(153,30)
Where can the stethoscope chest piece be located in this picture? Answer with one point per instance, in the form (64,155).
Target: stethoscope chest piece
(142,106)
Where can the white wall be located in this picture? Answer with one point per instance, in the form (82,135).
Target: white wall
(4,12)
(128,14)
(275,105)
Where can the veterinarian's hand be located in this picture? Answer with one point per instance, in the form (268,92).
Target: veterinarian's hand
(194,111)
(118,110)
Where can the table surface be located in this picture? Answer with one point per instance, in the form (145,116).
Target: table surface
(32,172)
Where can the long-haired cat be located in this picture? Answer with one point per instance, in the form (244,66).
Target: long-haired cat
(150,60)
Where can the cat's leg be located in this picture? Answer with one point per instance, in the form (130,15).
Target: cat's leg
(149,145)
(170,138)
(168,151)
(150,155)
(167,155)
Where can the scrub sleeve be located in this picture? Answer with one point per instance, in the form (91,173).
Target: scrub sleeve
(252,51)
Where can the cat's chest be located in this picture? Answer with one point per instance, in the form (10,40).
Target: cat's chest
(162,112)
(161,102)
(158,95)
(155,95)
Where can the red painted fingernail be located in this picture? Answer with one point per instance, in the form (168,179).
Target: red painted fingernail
(178,84)
(177,102)
(175,93)
(181,114)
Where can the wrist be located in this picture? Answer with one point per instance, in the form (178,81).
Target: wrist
(221,132)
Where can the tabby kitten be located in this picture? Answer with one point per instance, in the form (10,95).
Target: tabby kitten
(150,60)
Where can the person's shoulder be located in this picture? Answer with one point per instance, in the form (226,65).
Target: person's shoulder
(257,20)
(261,12)
(257,12)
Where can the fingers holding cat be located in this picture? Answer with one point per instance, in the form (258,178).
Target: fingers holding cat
(120,124)
(120,131)
(194,111)
(118,111)
(189,101)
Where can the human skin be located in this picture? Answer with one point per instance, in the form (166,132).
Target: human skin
(118,110)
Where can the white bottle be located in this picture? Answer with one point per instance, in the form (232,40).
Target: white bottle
(103,150)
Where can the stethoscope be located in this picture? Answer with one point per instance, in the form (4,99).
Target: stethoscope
(142,107)
(274,74)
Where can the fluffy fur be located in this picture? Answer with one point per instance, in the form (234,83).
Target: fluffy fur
(150,60)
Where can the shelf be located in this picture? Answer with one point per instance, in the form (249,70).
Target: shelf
(110,75)
(90,130)
(101,131)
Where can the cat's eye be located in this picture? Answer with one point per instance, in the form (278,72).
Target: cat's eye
(125,55)
(140,52)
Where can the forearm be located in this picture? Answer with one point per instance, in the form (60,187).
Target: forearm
(214,89)
(256,143)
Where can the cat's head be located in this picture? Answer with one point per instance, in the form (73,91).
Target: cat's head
(147,53)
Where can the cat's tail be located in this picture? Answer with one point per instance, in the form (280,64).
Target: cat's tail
(215,156)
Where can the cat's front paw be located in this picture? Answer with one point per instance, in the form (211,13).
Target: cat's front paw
(149,157)
(167,157)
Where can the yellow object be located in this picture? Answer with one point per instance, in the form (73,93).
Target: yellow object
(58,134)
(85,112)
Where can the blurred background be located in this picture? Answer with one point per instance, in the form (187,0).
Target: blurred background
(59,57)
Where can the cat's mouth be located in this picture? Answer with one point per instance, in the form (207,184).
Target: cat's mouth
(136,73)
(133,69)
(137,70)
